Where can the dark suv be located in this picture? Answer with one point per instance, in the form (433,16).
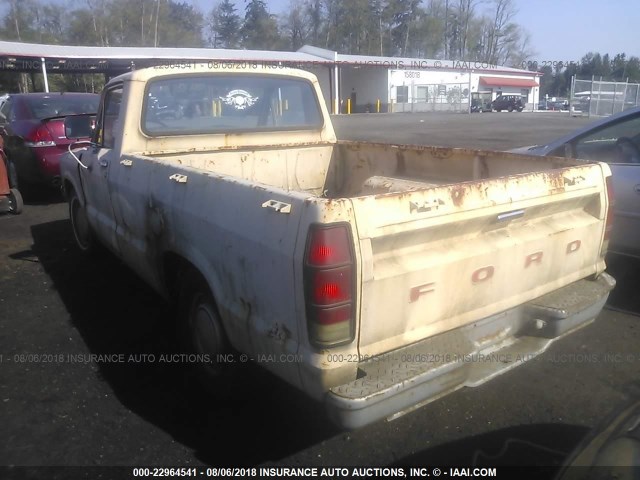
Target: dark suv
(508,102)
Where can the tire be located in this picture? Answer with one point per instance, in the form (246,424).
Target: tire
(16,204)
(200,328)
(13,175)
(82,233)
(510,109)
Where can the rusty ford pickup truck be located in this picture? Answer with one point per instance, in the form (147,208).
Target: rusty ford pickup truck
(382,276)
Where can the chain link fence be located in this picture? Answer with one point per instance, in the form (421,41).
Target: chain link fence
(601,98)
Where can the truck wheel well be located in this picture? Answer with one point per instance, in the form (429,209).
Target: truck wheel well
(67,189)
(175,269)
(188,287)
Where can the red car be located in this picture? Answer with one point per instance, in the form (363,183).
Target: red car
(38,127)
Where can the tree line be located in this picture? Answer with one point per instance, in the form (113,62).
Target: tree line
(451,29)
(471,30)
(556,80)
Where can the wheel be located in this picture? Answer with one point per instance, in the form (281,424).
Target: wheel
(15,201)
(82,232)
(200,328)
(13,175)
(510,109)
(498,109)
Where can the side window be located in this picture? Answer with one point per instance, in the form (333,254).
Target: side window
(109,116)
(617,143)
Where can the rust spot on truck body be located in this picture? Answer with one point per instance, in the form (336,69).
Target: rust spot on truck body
(401,166)
(555,181)
(441,152)
(457,195)
(222,148)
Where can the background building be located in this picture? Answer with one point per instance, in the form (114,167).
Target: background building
(350,83)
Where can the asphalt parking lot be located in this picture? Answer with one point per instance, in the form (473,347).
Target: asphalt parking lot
(500,131)
(61,406)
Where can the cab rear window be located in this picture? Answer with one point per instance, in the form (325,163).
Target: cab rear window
(228,103)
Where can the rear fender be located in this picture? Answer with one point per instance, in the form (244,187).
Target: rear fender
(174,262)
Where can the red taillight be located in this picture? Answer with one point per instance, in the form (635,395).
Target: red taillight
(39,137)
(329,246)
(329,285)
(332,286)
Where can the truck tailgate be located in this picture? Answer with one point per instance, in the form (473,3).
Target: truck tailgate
(439,258)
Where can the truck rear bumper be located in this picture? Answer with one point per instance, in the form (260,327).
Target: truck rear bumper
(396,382)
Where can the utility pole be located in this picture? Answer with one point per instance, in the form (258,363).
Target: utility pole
(155,37)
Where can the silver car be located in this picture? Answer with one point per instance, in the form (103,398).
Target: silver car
(615,140)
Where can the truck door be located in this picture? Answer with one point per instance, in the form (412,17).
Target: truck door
(99,159)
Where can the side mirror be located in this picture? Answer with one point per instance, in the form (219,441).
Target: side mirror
(80,126)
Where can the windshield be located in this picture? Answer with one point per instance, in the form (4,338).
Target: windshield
(224,103)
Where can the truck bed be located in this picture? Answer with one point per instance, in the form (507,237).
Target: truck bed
(468,233)
(354,169)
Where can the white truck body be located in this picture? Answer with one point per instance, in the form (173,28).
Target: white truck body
(392,273)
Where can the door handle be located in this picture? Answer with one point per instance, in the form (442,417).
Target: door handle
(103,162)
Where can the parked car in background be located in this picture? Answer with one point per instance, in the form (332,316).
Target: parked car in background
(478,105)
(35,132)
(558,105)
(581,104)
(615,140)
(508,102)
